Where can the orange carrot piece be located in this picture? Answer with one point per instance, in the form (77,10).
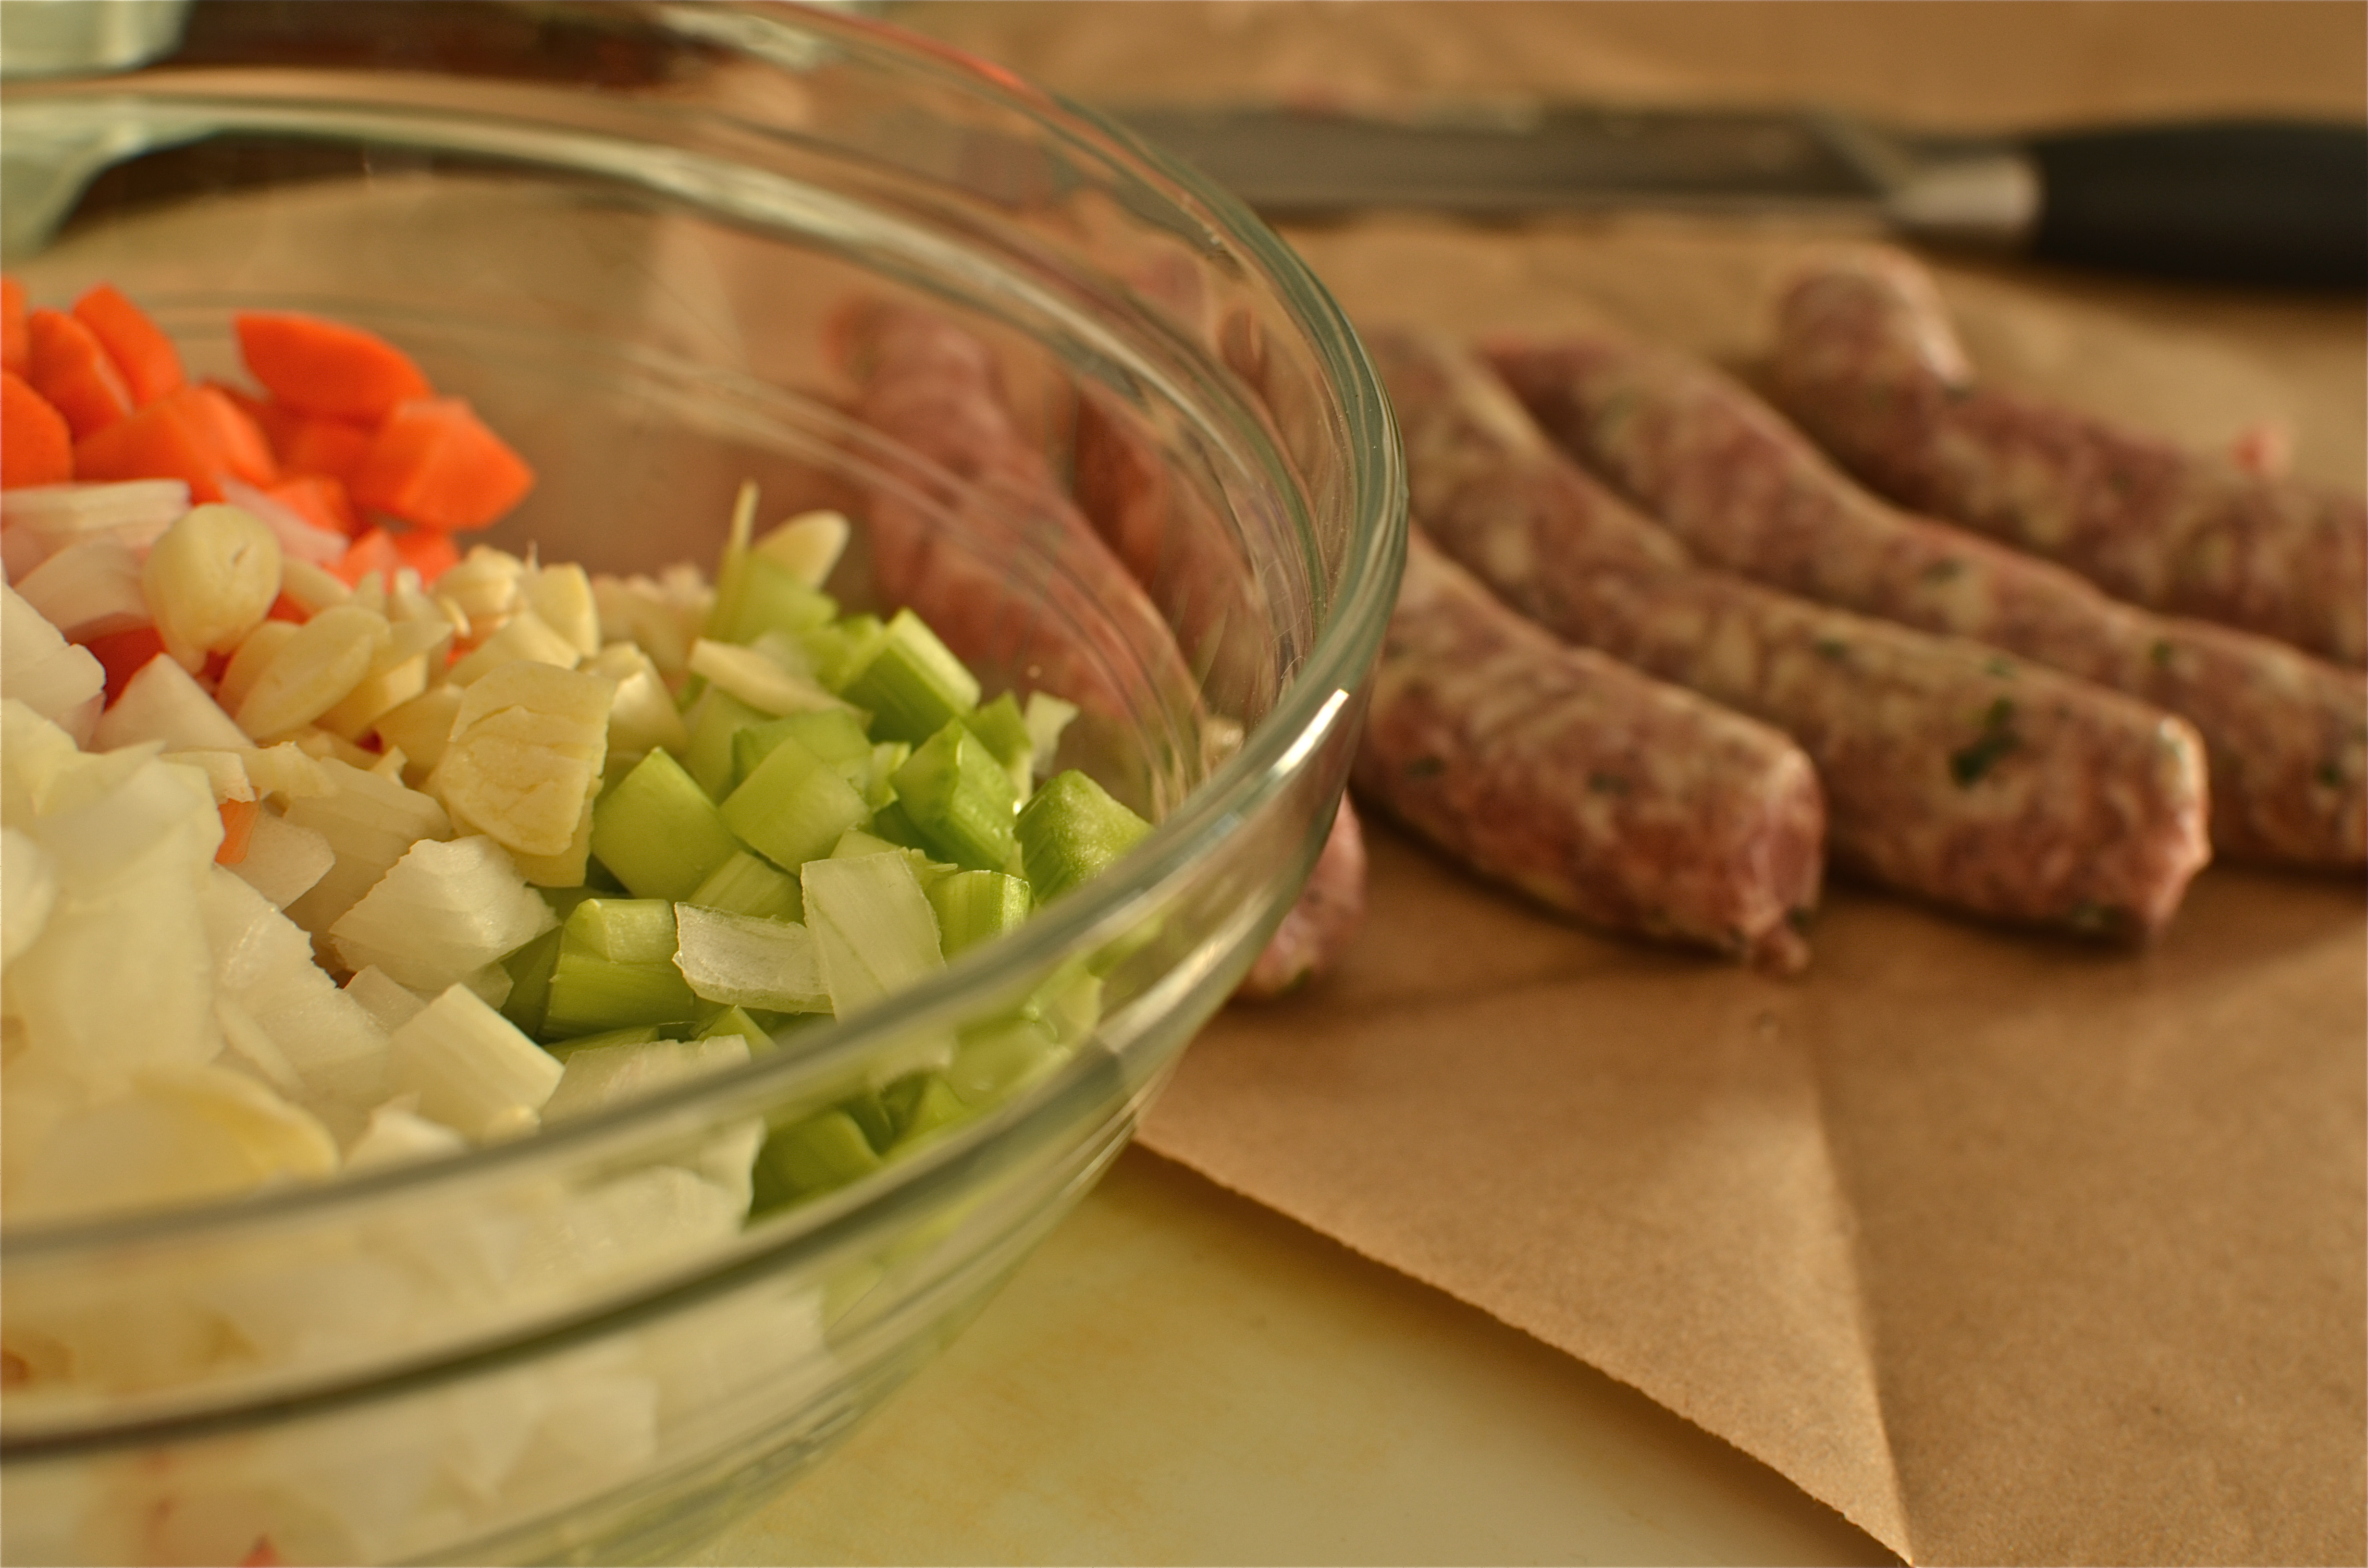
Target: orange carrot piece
(427,552)
(122,654)
(436,465)
(16,348)
(285,609)
(238,829)
(373,552)
(36,445)
(167,440)
(66,365)
(150,364)
(240,441)
(320,501)
(327,368)
(277,424)
(332,447)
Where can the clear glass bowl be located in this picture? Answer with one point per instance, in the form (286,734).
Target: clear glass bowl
(619,230)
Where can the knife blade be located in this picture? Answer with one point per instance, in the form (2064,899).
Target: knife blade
(2280,202)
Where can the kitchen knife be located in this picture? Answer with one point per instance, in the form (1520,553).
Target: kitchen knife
(2266,202)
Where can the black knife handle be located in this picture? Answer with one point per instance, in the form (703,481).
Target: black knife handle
(2280,202)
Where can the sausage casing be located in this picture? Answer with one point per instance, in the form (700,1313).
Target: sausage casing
(1951,770)
(2287,735)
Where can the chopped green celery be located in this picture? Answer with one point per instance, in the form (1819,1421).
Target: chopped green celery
(562,901)
(760,595)
(892,822)
(737,1020)
(871,1115)
(747,883)
(530,970)
(961,799)
(639,1034)
(658,831)
(922,1102)
(616,970)
(1003,734)
(995,1059)
(599,881)
(1070,830)
(855,842)
(880,788)
(793,807)
(974,906)
(717,717)
(842,648)
(912,682)
(875,932)
(834,735)
(823,1152)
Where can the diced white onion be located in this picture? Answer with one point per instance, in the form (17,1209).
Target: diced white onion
(443,910)
(748,961)
(471,1068)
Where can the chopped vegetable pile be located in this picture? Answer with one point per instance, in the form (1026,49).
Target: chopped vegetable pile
(329,844)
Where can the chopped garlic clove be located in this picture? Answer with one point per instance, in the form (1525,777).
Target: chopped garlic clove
(327,657)
(527,745)
(209,580)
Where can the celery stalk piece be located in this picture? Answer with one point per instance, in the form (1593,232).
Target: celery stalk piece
(840,650)
(641,1034)
(998,1059)
(737,1020)
(616,969)
(793,807)
(735,550)
(747,960)
(1003,732)
(471,1068)
(836,735)
(529,970)
(749,884)
(658,833)
(714,719)
(812,1156)
(873,929)
(960,798)
(927,1106)
(977,906)
(764,595)
(893,824)
(1070,830)
(869,1112)
(912,683)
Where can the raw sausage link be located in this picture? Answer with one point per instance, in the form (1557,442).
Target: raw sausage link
(1192,565)
(1590,787)
(983,542)
(1951,770)
(1319,926)
(1867,361)
(927,383)
(2287,743)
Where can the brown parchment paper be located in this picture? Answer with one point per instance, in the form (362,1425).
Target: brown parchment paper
(2009,1250)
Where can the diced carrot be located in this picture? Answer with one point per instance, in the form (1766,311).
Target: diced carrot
(123,655)
(435,464)
(236,435)
(150,364)
(427,552)
(167,440)
(327,368)
(216,665)
(373,552)
(238,828)
(16,349)
(35,445)
(320,501)
(277,424)
(285,609)
(332,447)
(66,366)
